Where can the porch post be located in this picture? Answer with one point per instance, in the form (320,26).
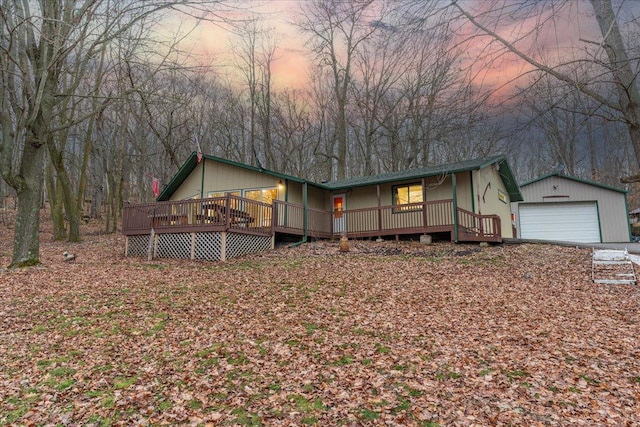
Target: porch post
(455,207)
(305,212)
(424,204)
(379,210)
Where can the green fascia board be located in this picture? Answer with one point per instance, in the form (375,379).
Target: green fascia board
(468,165)
(576,179)
(509,180)
(190,164)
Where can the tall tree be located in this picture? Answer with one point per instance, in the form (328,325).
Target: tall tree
(40,43)
(336,30)
(254,50)
(616,86)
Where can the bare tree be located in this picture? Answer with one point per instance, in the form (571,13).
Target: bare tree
(380,65)
(337,29)
(254,49)
(614,87)
(41,42)
(292,130)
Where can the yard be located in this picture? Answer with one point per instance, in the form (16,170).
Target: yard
(386,334)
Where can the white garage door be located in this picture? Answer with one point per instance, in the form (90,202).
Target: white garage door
(571,222)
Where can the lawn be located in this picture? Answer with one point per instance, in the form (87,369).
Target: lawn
(390,333)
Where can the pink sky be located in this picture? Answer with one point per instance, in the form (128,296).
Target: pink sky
(212,44)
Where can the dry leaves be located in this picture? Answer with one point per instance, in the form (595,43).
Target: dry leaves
(386,334)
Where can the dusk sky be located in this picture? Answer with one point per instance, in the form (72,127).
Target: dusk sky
(211,43)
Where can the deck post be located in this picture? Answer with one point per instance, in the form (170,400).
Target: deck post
(227,219)
(193,246)
(455,207)
(379,210)
(223,246)
(424,204)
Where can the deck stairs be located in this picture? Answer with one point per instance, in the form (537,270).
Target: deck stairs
(612,267)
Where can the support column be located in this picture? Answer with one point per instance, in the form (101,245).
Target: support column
(223,246)
(455,207)
(193,246)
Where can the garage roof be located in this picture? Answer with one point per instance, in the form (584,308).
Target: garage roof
(576,179)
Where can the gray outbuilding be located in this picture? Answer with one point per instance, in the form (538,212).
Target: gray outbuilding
(565,208)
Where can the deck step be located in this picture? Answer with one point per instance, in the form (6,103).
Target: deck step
(612,267)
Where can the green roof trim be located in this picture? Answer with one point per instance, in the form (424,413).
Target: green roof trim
(468,165)
(504,170)
(190,164)
(576,179)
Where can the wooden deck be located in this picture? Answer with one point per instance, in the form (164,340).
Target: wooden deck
(245,216)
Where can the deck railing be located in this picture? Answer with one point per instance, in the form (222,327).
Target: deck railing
(388,220)
(212,214)
(473,226)
(233,213)
(289,218)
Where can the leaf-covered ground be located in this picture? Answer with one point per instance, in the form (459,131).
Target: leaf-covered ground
(387,334)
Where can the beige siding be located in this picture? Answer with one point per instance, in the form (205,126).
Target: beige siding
(222,177)
(612,209)
(318,198)
(438,188)
(463,191)
(488,189)
(191,186)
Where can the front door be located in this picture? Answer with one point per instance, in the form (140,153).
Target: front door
(339,219)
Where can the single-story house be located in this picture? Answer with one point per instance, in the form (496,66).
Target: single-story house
(243,208)
(565,208)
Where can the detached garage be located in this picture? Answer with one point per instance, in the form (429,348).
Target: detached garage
(565,208)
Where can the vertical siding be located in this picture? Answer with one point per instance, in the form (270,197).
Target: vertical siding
(438,188)
(190,187)
(488,185)
(224,177)
(464,193)
(612,209)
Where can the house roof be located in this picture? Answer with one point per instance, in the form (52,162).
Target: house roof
(576,179)
(190,164)
(468,165)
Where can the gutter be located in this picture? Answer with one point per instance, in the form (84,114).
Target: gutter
(305,218)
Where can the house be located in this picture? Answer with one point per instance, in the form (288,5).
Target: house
(565,208)
(218,208)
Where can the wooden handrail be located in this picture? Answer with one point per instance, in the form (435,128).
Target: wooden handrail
(253,217)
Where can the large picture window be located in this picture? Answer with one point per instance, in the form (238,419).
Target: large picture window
(404,195)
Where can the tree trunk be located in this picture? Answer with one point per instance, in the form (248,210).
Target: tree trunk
(67,193)
(55,203)
(625,78)
(26,244)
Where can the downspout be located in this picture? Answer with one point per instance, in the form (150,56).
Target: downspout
(455,207)
(305,217)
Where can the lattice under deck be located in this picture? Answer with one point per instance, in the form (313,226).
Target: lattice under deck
(137,245)
(174,245)
(206,246)
(242,244)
